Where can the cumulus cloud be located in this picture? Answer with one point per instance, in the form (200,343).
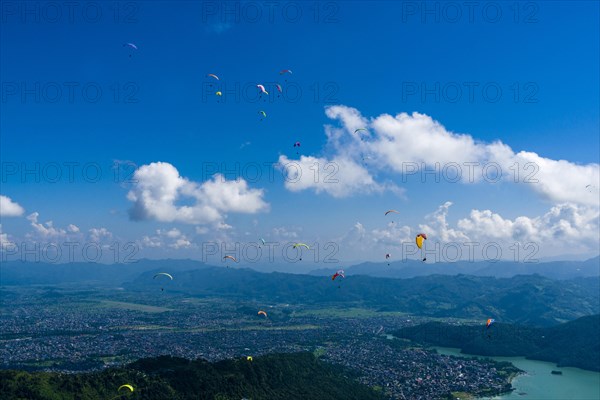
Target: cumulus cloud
(158,187)
(564,228)
(9,208)
(406,144)
(567,226)
(163,238)
(47,230)
(99,234)
(5,242)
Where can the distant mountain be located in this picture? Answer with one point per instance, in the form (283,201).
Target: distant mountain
(274,376)
(34,273)
(575,343)
(500,269)
(528,299)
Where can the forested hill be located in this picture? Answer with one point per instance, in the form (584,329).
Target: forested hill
(274,376)
(572,344)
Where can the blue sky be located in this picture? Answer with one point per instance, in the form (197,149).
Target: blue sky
(158,106)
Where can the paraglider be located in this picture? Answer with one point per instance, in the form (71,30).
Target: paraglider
(297,145)
(126,386)
(131,46)
(387,257)
(296,245)
(339,273)
(264,114)
(249,358)
(363,135)
(219,94)
(163,274)
(488,324)
(262,89)
(263,313)
(286,71)
(391,211)
(262,241)
(213,76)
(279,89)
(231,258)
(419,240)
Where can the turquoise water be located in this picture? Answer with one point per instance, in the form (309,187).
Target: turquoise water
(539,384)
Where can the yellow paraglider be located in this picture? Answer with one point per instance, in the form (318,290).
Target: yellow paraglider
(249,358)
(219,93)
(419,240)
(126,386)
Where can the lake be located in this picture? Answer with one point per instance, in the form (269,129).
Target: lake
(539,384)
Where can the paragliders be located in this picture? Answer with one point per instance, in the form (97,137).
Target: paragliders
(279,89)
(387,257)
(338,274)
(419,240)
(213,76)
(231,258)
(249,358)
(130,46)
(362,137)
(488,324)
(126,386)
(297,146)
(263,313)
(219,94)
(264,114)
(262,89)
(296,245)
(391,211)
(262,241)
(285,71)
(163,274)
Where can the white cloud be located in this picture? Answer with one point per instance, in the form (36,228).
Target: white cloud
(73,228)
(5,242)
(172,238)
(9,208)
(565,226)
(339,177)
(47,231)
(159,186)
(98,234)
(399,144)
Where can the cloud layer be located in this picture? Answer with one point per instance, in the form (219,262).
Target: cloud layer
(158,188)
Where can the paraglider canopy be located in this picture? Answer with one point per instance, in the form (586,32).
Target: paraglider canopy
(126,386)
(262,312)
(489,322)
(165,274)
(339,273)
(230,257)
(284,71)
(300,245)
(249,358)
(213,76)
(391,211)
